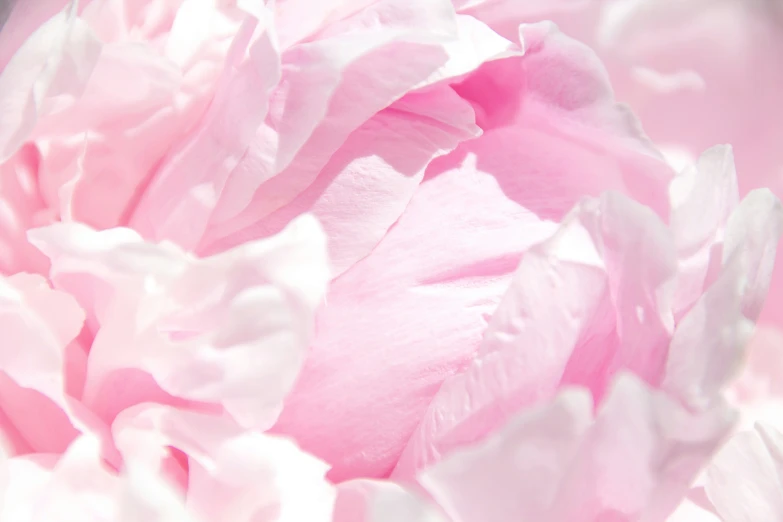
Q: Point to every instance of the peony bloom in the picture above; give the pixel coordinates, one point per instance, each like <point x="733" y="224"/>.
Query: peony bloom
<point x="357" y="260"/>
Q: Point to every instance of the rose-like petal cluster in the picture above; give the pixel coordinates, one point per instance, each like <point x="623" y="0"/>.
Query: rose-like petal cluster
<point x="366" y="260"/>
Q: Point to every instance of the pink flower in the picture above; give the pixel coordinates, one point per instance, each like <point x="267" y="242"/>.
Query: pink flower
<point x="509" y="284"/>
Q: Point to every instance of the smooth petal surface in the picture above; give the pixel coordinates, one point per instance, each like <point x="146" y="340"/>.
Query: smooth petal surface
<point x="231" y="329"/>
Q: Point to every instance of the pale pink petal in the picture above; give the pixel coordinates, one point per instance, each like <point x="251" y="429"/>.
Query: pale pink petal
<point x="231" y="329"/>
<point x="47" y="72"/>
<point x="689" y="511"/>
<point x="37" y="323"/>
<point x="145" y="496"/>
<point x="111" y="139"/>
<point x="21" y="207"/>
<point x="752" y="235"/>
<point x="232" y="475"/>
<point x="77" y="486"/>
<point x="142" y="100"/>
<point x="634" y="461"/>
<point x="745" y="480"/>
<point x="516" y="473"/>
<point x="218" y="23"/>
<point x="262" y="478"/>
<point x="381" y="501"/>
<point x="708" y="344"/>
<point x="592" y="299"/>
<point x="483" y="205"/>
<point x="704" y="196"/>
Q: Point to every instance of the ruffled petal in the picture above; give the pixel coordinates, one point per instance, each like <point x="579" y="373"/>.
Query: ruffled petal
<point x="78" y="487"/>
<point x="231" y="329"/>
<point x="185" y="189"/>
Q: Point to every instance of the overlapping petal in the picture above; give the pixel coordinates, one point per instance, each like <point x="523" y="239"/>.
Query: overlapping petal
<point x="230" y="330"/>
<point x="633" y="461"/>
<point x="232" y="474"/>
<point x="484" y="205"/>
<point x="594" y="298"/>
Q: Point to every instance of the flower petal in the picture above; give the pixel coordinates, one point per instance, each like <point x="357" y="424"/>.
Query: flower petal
<point x="705" y="196"/>
<point x="708" y="344"/>
<point x="46" y="73"/>
<point x="231" y="329"/>
<point x="38" y="324"/>
<point x="233" y="475"/>
<point x="185" y="189"/>
<point x="381" y="501"/>
<point x="744" y="481"/>
<point x="634" y="461"/>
